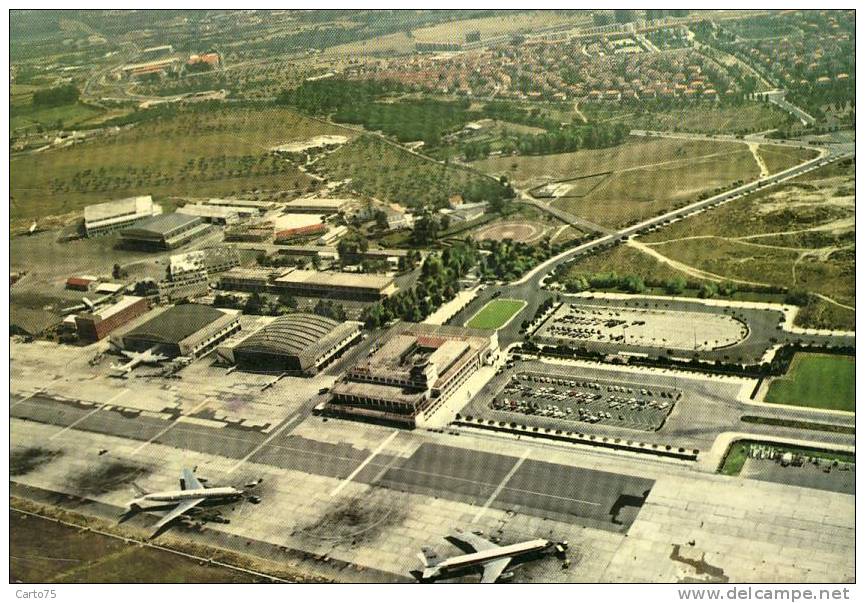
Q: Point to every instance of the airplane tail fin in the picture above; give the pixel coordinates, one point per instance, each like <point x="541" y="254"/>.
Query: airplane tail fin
<point x="428" y="556"/>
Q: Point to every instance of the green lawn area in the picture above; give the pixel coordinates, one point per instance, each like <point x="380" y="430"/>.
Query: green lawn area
<point x="737" y="454"/>
<point x="496" y="313"/>
<point x="67" y="116"/>
<point x="817" y="381"/>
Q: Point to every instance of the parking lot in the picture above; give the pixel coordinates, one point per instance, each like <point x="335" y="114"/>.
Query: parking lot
<point x="586" y="400"/>
<point x="653" y="327"/>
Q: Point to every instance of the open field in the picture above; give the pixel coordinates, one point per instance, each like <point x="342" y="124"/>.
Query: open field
<point x="195" y="152"/>
<point x="67" y="116"/>
<point x="392" y="174"/>
<point x="708" y="118"/>
<point x="521" y="231"/>
<point x="779" y="158"/>
<point x="496" y="314"/>
<point x="49" y="552"/>
<point x="817" y="381"/>
<point x="798" y="235"/>
<point x="648" y="176"/>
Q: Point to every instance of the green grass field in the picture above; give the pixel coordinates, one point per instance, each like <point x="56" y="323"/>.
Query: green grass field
<point x="496" y="313"/>
<point x="817" y="381"/>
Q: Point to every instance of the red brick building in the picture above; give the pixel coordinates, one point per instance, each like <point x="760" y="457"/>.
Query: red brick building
<point x="96" y="325"/>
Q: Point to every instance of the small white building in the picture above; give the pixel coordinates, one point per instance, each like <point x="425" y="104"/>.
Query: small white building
<point x="332" y="235"/>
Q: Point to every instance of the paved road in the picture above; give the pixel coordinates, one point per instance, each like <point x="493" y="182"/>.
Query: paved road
<point x="529" y="287"/>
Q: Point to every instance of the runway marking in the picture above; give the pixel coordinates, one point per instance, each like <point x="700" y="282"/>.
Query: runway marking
<point x="502" y="485"/>
<point x="27" y="397"/>
<point x="173" y="423"/>
<point x="276" y="432"/>
<point x="480" y="483"/>
<point x="366" y="462"/>
<point x="99" y="407"/>
<point x="303" y="451"/>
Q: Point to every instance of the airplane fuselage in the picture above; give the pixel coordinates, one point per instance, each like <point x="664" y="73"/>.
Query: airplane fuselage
<point x="482" y="557"/>
<point x="179" y="496"/>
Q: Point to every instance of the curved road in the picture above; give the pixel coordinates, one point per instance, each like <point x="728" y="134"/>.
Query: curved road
<point x="529" y="287"/>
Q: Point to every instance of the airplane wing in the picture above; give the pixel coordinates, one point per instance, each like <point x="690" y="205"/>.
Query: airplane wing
<point x="494" y="569"/>
<point x="178" y="511"/>
<point x="190" y="482"/>
<point x="474" y="541"/>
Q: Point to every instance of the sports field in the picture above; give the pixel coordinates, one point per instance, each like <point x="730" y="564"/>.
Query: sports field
<point x="817" y="381"/>
<point x="496" y="314"/>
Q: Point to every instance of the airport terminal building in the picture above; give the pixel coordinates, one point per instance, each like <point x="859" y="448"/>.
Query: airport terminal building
<point x="298" y="343"/>
<point x="416" y="369"/>
<point x="184" y="330"/>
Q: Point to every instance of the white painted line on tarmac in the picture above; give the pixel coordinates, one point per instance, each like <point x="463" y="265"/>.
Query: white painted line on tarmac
<point x="27" y="397"/>
<point x="502" y="485"/>
<point x="366" y="462"/>
<point x="99" y="407"/>
<point x="275" y="433"/>
<point x="173" y="423"/>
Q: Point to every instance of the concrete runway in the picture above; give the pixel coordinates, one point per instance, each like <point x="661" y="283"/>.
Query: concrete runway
<point x="597" y="499"/>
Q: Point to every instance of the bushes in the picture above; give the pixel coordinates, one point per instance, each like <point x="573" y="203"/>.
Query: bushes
<point x="56" y="97"/>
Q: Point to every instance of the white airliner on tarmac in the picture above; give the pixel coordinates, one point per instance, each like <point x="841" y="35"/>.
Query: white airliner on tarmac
<point x="492" y="558"/>
<point x="192" y="493"/>
<point x="135" y="359"/>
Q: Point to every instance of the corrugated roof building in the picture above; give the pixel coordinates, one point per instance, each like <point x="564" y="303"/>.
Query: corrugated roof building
<point x="183" y="330"/>
<point x="297" y="343"/>
<point x="167" y="231"/>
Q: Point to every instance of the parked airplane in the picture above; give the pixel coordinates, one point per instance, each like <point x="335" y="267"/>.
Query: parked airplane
<point x="192" y="493"/>
<point x="494" y="559"/>
<point x="136" y="359"/>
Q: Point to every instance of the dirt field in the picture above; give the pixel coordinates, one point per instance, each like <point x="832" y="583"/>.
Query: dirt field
<point x="779" y="158"/>
<point x="648" y="176"/>
<point x="797" y="235"/>
<point x="522" y="232"/>
<point x="709" y="118"/>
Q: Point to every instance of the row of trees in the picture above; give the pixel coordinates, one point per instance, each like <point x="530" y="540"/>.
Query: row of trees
<point x="632" y="283"/>
<point x="570" y="138"/>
